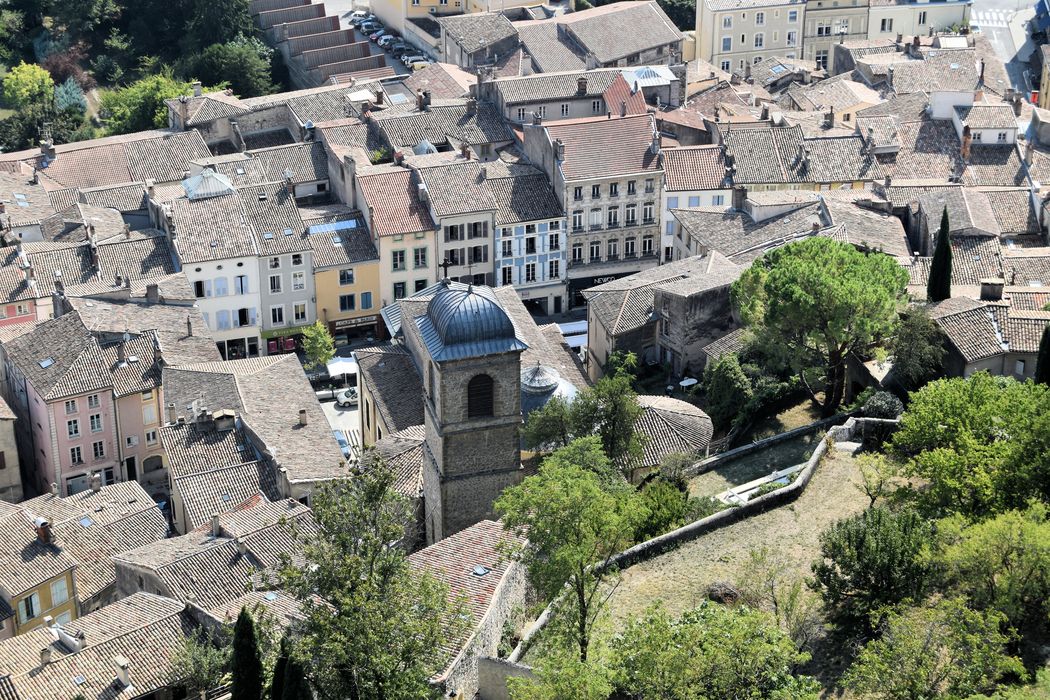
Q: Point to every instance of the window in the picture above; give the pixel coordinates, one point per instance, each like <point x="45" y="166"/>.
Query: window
<point x="420" y="285"/>
<point x="718" y="200"/>
<point x="1019" y="367"/>
<point x="760" y="19"/>
<point x="824" y="28"/>
<point x="530" y="272"/>
<point x="366" y="300"/>
<point x="553" y="241"/>
<point x="542" y="111"/>
<point x="151" y="437"/>
<point x="649" y="185"/>
<point x="554" y="269"/>
<point x="221" y="287"/>
<point x="596" y="218"/>
<point x="727" y="22"/>
<point x="694" y="201"/>
<point x="596" y="191"/>
<point x="299" y="311"/>
<point x="419" y="257"/>
<point x="507" y="249"/>
<point x="647" y="212"/>
<point x="479" y="396"/>
<point x="613" y="246"/>
<point x="577" y="252"/>
<point x="1001" y="138"/>
<point x="977" y="136"/>
<point x="149" y="413"/>
<point x="577" y="193"/>
<point x="565" y="110"/>
<point x="596" y="251"/>
<point x="59" y="592"/>
<point x="760" y="40"/>
<point x="614" y="189"/>
<point x="630" y="187"/>
<point x="75" y="456"/>
<point x="298" y="280"/>
<point x="348" y="302"/>
<point x="245" y="317"/>
<point x="275" y="284"/>
<point x="275" y="263"/>
<point x="240" y="284"/>
<point x="596" y="106"/>
<point x="28" y="608"/>
<point x="725" y="66"/>
<point x="521" y="114"/>
<point x="530" y="245"/>
<point x="630" y="215"/>
<point x="399" y="290"/>
<point x="628" y="248"/>
<point x="507" y="275"/>
<point x="297" y="259"/>
<point x="94" y="401"/>
<point x="73" y="428"/>
<point x="822" y="58"/>
<point x="398" y="260"/>
<point x="756" y="60"/>
<point x="922" y="17"/>
<point x="277" y="315"/>
<point x="577" y="220"/>
<point x="71" y="406"/>
<point x="614" y="216"/>
<point x="96" y="423"/>
<point x="198" y="289"/>
<point x="727" y="44"/>
<point x="98" y="449"/>
<point x="792" y="38"/>
<point x="886" y="25"/>
<point x="647" y="245"/>
<point x="792" y="15"/>
<point x="346" y="277"/>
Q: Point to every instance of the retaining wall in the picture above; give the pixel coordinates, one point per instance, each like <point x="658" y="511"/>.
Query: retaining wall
<point x="257" y="6"/>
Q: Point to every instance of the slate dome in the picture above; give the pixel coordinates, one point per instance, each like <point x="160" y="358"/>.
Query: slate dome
<point x="470" y="315"/>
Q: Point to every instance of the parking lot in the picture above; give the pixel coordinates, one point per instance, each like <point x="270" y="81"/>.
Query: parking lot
<point x="345" y="420"/>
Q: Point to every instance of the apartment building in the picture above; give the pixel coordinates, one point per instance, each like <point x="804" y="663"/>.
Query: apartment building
<point x="694" y="176"/>
<point x="890" y="18"/>
<point x="608" y="175"/>
<point x="829" y="22"/>
<point x="346" y="277"/>
<point x="731" y="34"/>
<point x="36" y="578"/>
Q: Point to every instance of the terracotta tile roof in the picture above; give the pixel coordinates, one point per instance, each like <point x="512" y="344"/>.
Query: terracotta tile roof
<point x="971" y="327"/>
<point x="547" y="86"/>
<point x="283" y="607"/>
<point x="26" y="562"/>
<point x="1013" y="211"/>
<point x="973" y="258"/>
<point x="443" y="122"/>
<point x="603" y="147"/>
<point x="124" y="198"/>
<point x="477" y="30"/>
<point x="403" y="453"/>
<point x="343" y="247"/>
<point x="458" y="188"/>
<point x="736" y="235"/>
<point x="220" y="490"/>
<point x="695" y="168"/>
<point x="353" y="132"/>
<point x="208" y="107"/>
<point x="546" y="346"/>
<point x="390" y="377"/>
<point x="393" y="198"/>
<point x="995" y="166"/>
<point x="274" y="219"/>
<point x="620" y="29"/>
<point x="969" y="211"/>
<point x="307" y="162"/>
<point x="193" y="447"/>
<point x="623" y="99"/>
<point x="60" y="358"/>
<point x="198" y="221"/>
<point x="549" y="49"/>
<point x="320" y="104"/>
<point x="166" y="158"/>
<point x="1028" y="267"/>
<point x="1024" y="329"/>
<point x="524" y="198"/>
<point x="671" y="426"/>
<point x="23" y="202"/>
<point x="987" y="116"/>
<point x="839" y="92"/>
<point x="137" y="368"/>
<point x="1027" y="298"/>
<point x="444" y="80"/>
<point x="734" y="341"/>
<point x="950" y="71"/>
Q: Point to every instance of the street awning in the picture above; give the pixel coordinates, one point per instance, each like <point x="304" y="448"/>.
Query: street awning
<point x="341" y="365"/>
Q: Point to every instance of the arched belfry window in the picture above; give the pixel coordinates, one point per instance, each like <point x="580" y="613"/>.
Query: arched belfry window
<point x="479" y="396"/>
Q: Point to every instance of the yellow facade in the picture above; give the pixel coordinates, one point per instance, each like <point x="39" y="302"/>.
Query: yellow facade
<point x="44" y="603"/>
<point x="1044" y="88"/>
<point x="348" y="296"/>
<point x="406" y="262"/>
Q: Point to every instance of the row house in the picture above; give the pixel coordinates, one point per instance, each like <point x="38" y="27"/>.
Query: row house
<point x="734" y="33"/>
<point x="36" y="578"/>
<point x="608" y="177"/>
<point x="829" y="22"/>
<point x="346" y="276"/>
<point x="694" y="176"/>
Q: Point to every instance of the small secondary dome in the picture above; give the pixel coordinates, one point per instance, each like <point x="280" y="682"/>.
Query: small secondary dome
<point x="539" y="384"/>
<point x="207" y="183"/>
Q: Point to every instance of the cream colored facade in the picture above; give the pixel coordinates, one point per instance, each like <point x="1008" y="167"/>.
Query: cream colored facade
<point x="731" y="35"/>
<point x="401" y="272"/>
<point x="54" y="597"/>
<point x="829" y="22"/>
<point x="888" y="18"/>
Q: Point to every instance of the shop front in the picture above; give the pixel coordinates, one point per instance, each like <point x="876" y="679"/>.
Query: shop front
<point x="238" y="348"/>
<point x="359" y="328"/>
<point x="578" y="285"/>
<point x="282" y="340"/>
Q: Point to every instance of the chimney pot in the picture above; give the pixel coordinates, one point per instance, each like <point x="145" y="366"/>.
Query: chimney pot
<point x="96" y="478"/>
<point x="197" y="88"/>
<point x="242" y="547"/>
<point x="122" y="667"/>
<point x="152" y="293"/>
<point x="216" y="525"/>
<point x="992" y="289"/>
<point x="45" y="656"/>
<point x="171" y="413"/>
<point x="302" y="416"/>
<point x="189" y="325"/>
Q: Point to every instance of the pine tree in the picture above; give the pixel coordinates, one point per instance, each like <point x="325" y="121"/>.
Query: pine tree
<point x="245" y="663"/>
<point x="1042" y="361"/>
<point x="68" y="95"/>
<point x="279" y="670"/>
<point x="939" y="285"/>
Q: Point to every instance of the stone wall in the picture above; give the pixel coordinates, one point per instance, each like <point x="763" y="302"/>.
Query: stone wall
<point x="493" y="674"/>
<point x="695" y="321"/>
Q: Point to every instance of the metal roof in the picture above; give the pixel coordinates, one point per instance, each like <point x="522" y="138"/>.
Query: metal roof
<point x="466" y="321"/>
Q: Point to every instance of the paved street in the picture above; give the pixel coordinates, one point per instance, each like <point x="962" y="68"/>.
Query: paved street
<point x="344" y="419"/>
<point x="1003" y="23"/>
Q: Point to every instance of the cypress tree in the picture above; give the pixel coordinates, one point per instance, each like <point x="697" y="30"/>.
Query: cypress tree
<point x="1042" y="361"/>
<point x="245" y="662"/>
<point x="296" y="687"/>
<point x="939" y="285"/>
<point x="279" y="670"/>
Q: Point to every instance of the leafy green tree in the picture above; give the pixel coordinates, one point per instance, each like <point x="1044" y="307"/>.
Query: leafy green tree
<point x="870" y="561"/>
<point x="280" y="671"/>
<point x="818" y="301"/>
<point x="213" y="22"/>
<point x="977" y="443"/>
<point x="1000" y="564"/>
<point x="27" y="84"/>
<point x="560" y="674"/>
<point x="318" y="345"/>
<point x="712" y="651"/>
<point x="1042" y="360"/>
<point x="68" y="95"/>
<point x="728" y="390"/>
<point x="238" y="64"/>
<point x="373" y="627"/>
<point x="201" y="662"/>
<point x="918" y="352"/>
<point x="573" y="525"/>
<point x="939" y="283"/>
<point x="878" y="475"/>
<point x="943" y="651"/>
<point x="12" y="37"/>
<point x="86" y="19"/>
<point x="24" y="128"/>
<point x="140" y="105"/>
<point x="550" y="426"/>
<point x="665" y="509"/>
<point x="245" y="662"/>
<point x="621" y="362"/>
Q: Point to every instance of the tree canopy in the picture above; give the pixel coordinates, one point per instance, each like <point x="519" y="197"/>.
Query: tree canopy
<point x="918" y="351"/>
<point x="140" y="105"/>
<point x="318" y="345"/>
<point x="245" y="660"/>
<point x="28" y="84"/>
<point x="817" y="302"/>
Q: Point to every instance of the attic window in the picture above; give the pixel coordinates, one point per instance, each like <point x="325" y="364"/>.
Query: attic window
<point x="240" y="171"/>
<point x="133" y="359"/>
<point x="214" y="244"/>
<point x="226" y="497"/>
<point x="80" y="680"/>
<point x="336" y="240"/>
<point x="270" y="596"/>
<point x="480" y="570"/>
<point x="1035" y="283"/>
<point x="46" y="362"/>
<point x="288" y="232"/>
<point x="268" y="236"/>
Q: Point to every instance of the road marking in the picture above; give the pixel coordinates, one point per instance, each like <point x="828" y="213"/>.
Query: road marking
<point x="992" y="18"/>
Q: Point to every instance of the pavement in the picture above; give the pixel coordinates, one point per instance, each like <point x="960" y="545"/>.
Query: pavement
<point x="1004" y="23"/>
<point x="346" y="420"/>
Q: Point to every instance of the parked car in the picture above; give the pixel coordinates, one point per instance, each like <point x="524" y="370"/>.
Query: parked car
<point x="420" y="65"/>
<point x="374" y="36"/>
<point x="344" y="444"/>
<point x="347" y="397"/>
<point x="369" y="27"/>
<point x="386" y="40"/>
<point x="409" y="59"/>
<point x="359" y="16"/>
<point x="399" y="48"/>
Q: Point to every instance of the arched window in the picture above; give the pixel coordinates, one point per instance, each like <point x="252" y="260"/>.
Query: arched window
<point x="479" y="396"/>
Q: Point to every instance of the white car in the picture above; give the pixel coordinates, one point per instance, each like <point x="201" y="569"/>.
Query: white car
<point x="414" y="58"/>
<point x="347" y="397"/>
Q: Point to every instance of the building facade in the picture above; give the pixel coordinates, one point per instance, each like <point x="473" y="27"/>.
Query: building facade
<point x="732" y="34"/>
<point x="888" y="18"/>
<point x="828" y="22"/>
<point x="346" y="279"/>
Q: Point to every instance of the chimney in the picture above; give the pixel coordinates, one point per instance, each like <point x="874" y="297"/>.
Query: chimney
<point x="96" y="478"/>
<point x="992" y="289"/>
<point x="419" y="101"/>
<point x="472" y="106"/>
<point x="122" y="361"/>
<point x="831" y="117"/>
<point x="980" y="76"/>
<point x="581" y="85"/>
<point x="197" y="88"/>
<point x="302" y="416"/>
<point x="121" y="665"/>
<point x="536" y="119"/>
<point x="43" y="530"/>
<point x="559" y="150"/>
<point x="426" y="99"/>
<point x="152" y="293"/>
<point x="242" y="547"/>
<point x="54" y="489"/>
<point x="915" y="45"/>
<point x="623" y="108"/>
<point x="225" y="420"/>
<point x="171" y="413"/>
<point x="816" y="227"/>
<point x="189" y="326"/>
<point x="967" y="142"/>
<point x="216" y="525"/>
<point x="184" y="110"/>
<point x="399" y="158"/>
<point x="900" y="38"/>
<point x="739" y="195"/>
<point x="654" y="147"/>
<point x="1029" y="152"/>
<point x="747" y="70"/>
<point x="45" y="656"/>
<point x="464" y="151"/>
<point x="765" y="112"/>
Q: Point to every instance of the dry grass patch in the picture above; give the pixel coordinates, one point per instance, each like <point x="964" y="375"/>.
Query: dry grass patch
<point x="757" y="464"/>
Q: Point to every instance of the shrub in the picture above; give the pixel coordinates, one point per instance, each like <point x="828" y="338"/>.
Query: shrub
<point x="883" y="404"/>
<point x="728" y="390"/>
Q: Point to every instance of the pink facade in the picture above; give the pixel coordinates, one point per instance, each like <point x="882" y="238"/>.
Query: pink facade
<point x="73" y="442"/>
<point x="138" y="420"/>
<point x="20" y="312"/>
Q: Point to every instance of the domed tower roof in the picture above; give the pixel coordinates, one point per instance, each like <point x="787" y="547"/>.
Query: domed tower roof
<point x="467" y="321"/>
<point x="539" y="384"/>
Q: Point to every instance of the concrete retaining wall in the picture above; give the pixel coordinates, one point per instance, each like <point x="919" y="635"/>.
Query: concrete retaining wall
<point x="323" y="73"/>
<point x="334" y="54"/>
<point x="323" y="40"/>
<point x="493" y="675"/>
<point x="290" y="30"/>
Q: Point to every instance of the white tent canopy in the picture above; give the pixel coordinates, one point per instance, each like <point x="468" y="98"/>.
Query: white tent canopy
<point x="342" y="365"/>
